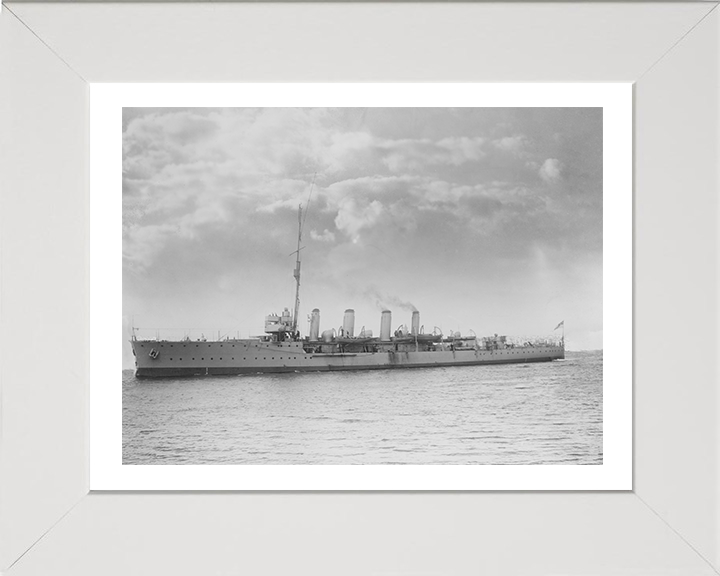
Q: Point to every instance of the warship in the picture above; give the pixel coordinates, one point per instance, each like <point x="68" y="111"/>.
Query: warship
<point x="283" y="349"/>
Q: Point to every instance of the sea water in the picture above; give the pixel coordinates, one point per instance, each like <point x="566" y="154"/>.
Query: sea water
<point x="545" y="413"/>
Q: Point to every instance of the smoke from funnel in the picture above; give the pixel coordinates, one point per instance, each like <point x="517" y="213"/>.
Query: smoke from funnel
<point x="384" y="301"/>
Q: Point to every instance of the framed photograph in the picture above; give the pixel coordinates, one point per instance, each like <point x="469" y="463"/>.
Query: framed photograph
<point x="344" y="211"/>
<point x="493" y="202"/>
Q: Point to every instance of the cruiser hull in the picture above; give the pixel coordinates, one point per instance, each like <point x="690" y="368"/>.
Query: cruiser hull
<point x="179" y="359"/>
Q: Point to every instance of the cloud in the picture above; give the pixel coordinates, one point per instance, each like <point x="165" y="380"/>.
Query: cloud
<point x="511" y="143"/>
<point x="551" y="169"/>
<point x="354" y="216"/>
<point x="181" y="168"/>
<point x="343" y="150"/>
<point x="416" y="154"/>
<point x="222" y="175"/>
<point x="457" y="151"/>
<point x="326" y="236"/>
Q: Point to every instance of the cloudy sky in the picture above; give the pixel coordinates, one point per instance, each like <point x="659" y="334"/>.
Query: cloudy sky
<point x="483" y="218"/>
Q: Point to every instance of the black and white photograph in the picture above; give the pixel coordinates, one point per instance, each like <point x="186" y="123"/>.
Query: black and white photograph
<point x="377" y="286"/>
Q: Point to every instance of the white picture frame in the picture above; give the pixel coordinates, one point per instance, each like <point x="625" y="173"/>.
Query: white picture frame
<point x="668" y="524"/>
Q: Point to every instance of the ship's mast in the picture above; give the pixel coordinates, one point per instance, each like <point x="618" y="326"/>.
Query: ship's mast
<point x="296" y="272"/>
